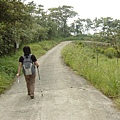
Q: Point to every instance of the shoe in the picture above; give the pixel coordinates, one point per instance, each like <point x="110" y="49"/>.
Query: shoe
<point x="32" y="97"/>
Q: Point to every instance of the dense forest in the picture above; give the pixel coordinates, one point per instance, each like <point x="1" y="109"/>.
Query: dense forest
<point x="25" y="23"/>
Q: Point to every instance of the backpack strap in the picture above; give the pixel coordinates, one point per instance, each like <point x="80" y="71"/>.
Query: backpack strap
<point x="30" y="58"/>
<point x="24" y="57"/>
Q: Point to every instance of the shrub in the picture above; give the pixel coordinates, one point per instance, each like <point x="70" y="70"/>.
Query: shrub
<point x="110" y="52"/>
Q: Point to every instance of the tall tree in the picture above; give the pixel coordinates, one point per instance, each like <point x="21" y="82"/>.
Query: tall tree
<point x="88" y="25"/>
<point x="61" y="15"/>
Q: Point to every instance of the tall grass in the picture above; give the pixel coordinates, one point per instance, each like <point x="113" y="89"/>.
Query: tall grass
<point x="104" y="74"/>
<point x="9" y="64"/>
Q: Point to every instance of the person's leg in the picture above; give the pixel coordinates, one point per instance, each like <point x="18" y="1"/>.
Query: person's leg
<point x="27" y="78"/>
<point x="32" y="85"/>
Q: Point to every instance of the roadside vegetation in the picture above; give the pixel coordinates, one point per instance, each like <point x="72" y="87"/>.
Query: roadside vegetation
<point x="9" y="63"/>
<point x="98" y="64"/>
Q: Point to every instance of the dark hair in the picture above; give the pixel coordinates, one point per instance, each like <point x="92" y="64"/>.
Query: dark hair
<point x="26" y="51"/>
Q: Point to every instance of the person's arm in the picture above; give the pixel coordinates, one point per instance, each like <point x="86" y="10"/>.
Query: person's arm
<point x="35" y="60"/>
<point x="19" y="69"/>
<point x="36" y="63"/>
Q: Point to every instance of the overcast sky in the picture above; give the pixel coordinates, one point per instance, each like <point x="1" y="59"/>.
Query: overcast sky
<point x="87" y="8"/>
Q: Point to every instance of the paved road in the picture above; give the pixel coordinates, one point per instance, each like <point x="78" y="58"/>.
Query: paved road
<point x="66" y="96"/>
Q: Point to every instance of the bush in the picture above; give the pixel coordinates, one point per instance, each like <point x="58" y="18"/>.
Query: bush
<point x="110" y="52"/>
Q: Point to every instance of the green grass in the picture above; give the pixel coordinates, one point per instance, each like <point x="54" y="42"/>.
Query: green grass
<point x="9" y="64"/>
<point x="104" y="74"/>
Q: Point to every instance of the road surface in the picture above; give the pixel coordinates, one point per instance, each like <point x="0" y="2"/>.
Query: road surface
<point x="66" y="96"/>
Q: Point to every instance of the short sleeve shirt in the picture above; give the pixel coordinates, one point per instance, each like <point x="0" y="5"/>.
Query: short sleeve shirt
<point x="32" y="57"/>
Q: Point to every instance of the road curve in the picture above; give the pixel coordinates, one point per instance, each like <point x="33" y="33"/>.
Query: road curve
<point x="66" y="96"/>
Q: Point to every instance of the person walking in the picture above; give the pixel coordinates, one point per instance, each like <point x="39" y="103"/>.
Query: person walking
<point x="30" y="78"/>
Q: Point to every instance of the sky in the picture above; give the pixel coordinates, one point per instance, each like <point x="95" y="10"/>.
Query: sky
<point x="86" y="8"/>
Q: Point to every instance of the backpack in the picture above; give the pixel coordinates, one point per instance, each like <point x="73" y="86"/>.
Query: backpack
<point x="28" y="66"/>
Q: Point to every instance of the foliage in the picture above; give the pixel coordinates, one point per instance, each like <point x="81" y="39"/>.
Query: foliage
<point x="110" y="52"/>
<point x="27" y="23"/>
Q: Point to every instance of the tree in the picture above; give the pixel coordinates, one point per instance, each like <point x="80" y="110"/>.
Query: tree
<point x="14" y="18"/>
<point x="61" y="15"/>
<point x="88" y="25"/>
<point x="77" y="27"/>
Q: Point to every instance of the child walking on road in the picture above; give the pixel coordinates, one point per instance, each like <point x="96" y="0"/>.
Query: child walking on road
<point x="28" y="62"/>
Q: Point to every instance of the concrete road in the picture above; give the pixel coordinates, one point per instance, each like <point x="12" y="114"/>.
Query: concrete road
<point x="66" y="96"/>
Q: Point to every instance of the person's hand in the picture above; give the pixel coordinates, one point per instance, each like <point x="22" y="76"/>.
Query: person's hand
<point x="17" y="75"/>
<point x="37" y="66"/>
